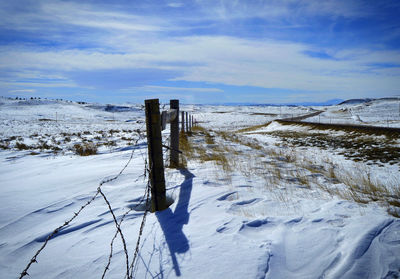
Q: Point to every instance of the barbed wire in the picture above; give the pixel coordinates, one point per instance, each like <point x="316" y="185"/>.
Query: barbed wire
<point x="140" y="230"/>
<point x="120" y="222"/>
<point x="130" y="267"/>
<point x="34" y="258"/>
<point x="66" y="223"/>
<point x="118" y="230"/>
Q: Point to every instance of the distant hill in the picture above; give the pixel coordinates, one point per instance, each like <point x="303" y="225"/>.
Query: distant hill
<point x="366" y="100"/>
<point x="326" y="103"/>
<point x="356" y="101"/>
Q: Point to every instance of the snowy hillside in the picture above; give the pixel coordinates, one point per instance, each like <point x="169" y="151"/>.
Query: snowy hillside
<point x="257" y="199"/>
<point x="379" y="112"/>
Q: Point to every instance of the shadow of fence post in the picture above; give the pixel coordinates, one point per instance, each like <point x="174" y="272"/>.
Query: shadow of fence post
<point x="172" y="222"/>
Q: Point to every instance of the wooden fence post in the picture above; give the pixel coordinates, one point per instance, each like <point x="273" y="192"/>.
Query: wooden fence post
<point x="187" y="122"/>
<point x="183" y="122"/>
<point x="156" y="163"/>
<point x="174" y="147"/>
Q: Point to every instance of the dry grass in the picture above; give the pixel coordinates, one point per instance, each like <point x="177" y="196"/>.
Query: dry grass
<point x="64" y="141"/>
<point x="357" y="186"/>
<point x="354" y="146"/>
<point x="85" y="149"/>
<point x="22" y="146"/>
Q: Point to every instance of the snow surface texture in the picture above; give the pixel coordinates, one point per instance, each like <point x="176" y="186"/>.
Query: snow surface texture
<point x="219" y="226"/>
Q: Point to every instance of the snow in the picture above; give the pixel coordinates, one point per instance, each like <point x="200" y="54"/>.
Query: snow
<point x="380" y="112"/>
<point x="256" y="221"/>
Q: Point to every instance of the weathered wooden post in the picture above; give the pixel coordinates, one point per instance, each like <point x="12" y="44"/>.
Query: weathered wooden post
<point x="174" y="154"/>
<point x="156" y="163"/>
<point x="183" y="122"/>
<point x="187" y="122"/>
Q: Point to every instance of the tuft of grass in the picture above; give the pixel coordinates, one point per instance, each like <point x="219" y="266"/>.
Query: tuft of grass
<point x="85" y="149"/>
<point x="4" y="145"/>
<point x="43" y="145"/>
<point x="209" y="139"/>
<point x="110" y="143"/>
<point x="22" y="146"/>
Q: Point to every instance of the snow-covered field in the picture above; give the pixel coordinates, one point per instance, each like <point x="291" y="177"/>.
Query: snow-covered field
<point x="252" y="203"/>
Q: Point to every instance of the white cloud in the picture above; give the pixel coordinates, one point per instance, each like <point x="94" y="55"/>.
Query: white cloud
<point x="175" y="5"/>
<point x="55" y="14"/>
<point x="22" y="91"/>
<point x="284" y="11"/>
<point x="228" y="60"/>
<point x="36" y="84"/>
<point x="153" y="88"/>
<point x="128" y="41"/>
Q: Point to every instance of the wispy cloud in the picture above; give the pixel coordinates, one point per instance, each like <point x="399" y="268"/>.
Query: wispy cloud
<point x="292" y="45"/>
<point x="154" y="88"/>
<point x="222" y="60"/>
<point x="60" y="13"/>
<point x="36" y="84"/>
<point x="22" y="91"/>
<point x="175" y="4"/>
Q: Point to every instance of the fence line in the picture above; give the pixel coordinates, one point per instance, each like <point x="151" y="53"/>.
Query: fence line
<point x="149" y="173"/>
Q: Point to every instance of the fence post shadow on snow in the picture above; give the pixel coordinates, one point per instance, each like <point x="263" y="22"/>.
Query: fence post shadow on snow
<point x="172" y="222"/>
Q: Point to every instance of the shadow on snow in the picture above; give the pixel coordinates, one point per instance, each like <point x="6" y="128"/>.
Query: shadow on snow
<point x="172" y="222"/>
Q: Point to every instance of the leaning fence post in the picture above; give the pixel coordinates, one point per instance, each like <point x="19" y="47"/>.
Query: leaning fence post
<point x="156" y="163"/>
<point x="174" y="154"/>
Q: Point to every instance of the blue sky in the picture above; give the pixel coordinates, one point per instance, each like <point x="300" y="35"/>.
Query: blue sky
<point x="201" y="51"/>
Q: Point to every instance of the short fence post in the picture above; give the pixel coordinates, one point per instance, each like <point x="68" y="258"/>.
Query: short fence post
<point x="183" y="122"/>
<point x="156" y="163"/>
<point x="174" y="154"/>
